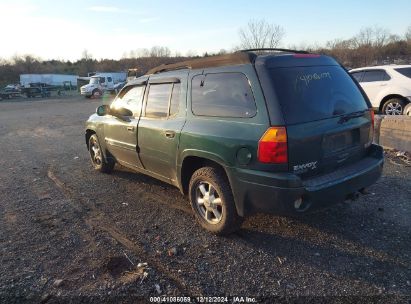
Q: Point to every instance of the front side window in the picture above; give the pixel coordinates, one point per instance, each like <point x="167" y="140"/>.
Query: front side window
<point x="109" y="79"/>
<point x="404" y="71"/>
<point x="223" y="95"/>
<point x="94" y="80"/>
<point x="158" y="100"/>
<point x="130" y="98"/>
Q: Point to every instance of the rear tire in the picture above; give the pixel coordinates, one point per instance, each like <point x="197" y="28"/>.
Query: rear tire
<point x="393" y="106"/>
<point x="407" y="109"/>
<point x="212" y="201"/>
<point x="97" y="158"/>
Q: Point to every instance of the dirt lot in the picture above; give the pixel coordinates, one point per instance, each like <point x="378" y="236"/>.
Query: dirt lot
<point x="69" y="233"/>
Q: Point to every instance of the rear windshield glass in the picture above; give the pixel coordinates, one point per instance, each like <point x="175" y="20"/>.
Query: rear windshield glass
<point x="315" y="92"/>
<point x="405" y="71"/>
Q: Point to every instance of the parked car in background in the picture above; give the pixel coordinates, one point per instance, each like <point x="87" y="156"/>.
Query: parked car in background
<point x="387" y="87"/>
<point x="10" y="91"/>
<point x="255" y="131"/>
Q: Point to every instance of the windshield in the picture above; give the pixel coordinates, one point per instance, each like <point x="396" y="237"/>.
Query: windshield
<point x="315" y="92"/>
<point x="94" y="80"/>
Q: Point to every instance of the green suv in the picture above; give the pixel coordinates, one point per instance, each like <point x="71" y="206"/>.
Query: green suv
<point x="272" y="131"/>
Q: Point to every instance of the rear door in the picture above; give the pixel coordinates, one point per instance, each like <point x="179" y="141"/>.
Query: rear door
<point x="373" y="82"/>
<point x="160" y="125"/>
<point x="327" y="117"/>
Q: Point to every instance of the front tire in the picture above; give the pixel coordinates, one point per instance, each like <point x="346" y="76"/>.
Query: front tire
<point x="212" y="201"/>
<point x="393" y="106"/>
<point x="97" y="93"/>
<point x="97" y="158"/>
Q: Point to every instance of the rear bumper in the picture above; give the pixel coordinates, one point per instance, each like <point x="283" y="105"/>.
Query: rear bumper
<point x="257" y="191"/>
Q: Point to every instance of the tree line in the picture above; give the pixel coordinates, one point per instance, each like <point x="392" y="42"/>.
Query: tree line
<point x="370" y="46"/>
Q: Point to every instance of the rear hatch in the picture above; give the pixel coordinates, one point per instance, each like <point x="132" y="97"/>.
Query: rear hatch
<point x="326" y="115"/>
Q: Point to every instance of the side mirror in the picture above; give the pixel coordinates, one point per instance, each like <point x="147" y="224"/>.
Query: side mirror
<point x="103" y="110"/>
<point x="124" y="112"/>
<point x="121" y="113"/>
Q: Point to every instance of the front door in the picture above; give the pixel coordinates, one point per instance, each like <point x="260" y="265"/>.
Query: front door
<point x="160" y="126"/>
<point x="121" y="135"/>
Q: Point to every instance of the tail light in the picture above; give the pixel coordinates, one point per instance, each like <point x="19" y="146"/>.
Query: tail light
<point x="372" y="128"/>
<point x="272" y="147"/>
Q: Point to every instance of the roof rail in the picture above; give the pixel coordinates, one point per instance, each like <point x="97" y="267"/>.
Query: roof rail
<point x="274" y="49"/>
<point x="239" y="57"/>
<point x="171" y="67"/>
<point x="206" y="62"/>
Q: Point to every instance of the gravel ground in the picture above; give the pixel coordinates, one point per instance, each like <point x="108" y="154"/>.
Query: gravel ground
<point x="69" y="233"/>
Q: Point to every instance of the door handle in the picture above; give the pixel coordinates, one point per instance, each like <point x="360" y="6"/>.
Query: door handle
<point x="169" y="134"/>
<point x="131" y="129"/>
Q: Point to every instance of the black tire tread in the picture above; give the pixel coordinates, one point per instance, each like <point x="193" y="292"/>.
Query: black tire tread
<point x="106" y="166"/>
<point x="231" y="221"/>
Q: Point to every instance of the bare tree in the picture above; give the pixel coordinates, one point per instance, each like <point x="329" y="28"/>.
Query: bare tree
<point x="408" y="33"/>
<point x="261" y="34"/>
<point x="222" y="52"/>
<point x="160" y="51"/>
<point x="143" y="52"/>
<point x="381" y="36"/>
<point x="372" y="37"/>
<point x="86" y="55"/>
<point x="191" y="53"/>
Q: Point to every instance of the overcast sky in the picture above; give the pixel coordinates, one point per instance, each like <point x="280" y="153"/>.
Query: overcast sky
<point x="108" y="29"/>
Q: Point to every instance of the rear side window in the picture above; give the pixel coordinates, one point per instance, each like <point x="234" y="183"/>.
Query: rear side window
<point x="223" y="95"/>
<point x="404" y="71"/>
<point x="375" y="75"/>
<point x="315" y="93"/>
<point x="158" y="99"/>
<point x="357" y="75"/>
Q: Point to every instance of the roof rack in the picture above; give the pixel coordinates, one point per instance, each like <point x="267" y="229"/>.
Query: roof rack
<point x="207" y="62"/>
<point x="239" y="57"/>
<point x="274" y="49"/>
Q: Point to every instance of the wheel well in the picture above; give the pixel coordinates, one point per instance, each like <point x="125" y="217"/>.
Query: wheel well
<point x="388" y="97"/>
<point x="193" y="163"/>
<point x="88" y="135"/>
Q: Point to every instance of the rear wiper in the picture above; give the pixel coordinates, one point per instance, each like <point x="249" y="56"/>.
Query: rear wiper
<point x="347" y="117"/>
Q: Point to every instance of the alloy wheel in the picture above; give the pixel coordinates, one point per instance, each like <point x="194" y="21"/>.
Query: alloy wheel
<point x="208" y="203"/>
<point x="393" y="108"/>
<point x="95" y="152"/>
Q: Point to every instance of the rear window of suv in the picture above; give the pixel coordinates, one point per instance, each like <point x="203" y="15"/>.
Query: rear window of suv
<point x="315" y="92"/>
